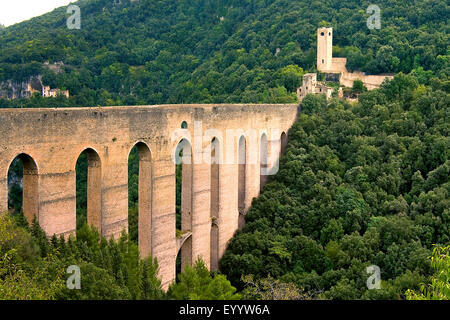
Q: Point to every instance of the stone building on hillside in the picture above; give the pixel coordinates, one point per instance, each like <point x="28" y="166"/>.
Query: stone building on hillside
<point x="335" y="70"/>
<point x="47" y="92"/>
<point x="337" y="66"/>
<point x="311" y="85"/>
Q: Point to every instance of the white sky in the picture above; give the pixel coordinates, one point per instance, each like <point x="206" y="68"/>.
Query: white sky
<point x="14" y="11"/>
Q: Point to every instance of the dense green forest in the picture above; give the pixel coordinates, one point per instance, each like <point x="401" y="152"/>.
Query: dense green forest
<point x="154" y="52"/>
<point x="33" y="267"/>
<point x="359" y="185"/>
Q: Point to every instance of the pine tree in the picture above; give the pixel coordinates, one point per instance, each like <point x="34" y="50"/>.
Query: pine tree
<point x="54" y="242"/>
<point x="40" y="237"/>
<point x="151" y="285"/>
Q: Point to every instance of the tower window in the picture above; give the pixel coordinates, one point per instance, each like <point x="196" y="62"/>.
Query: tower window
<point x="329" y="33"/>
<point x="323" y="61"/>
<point x="322" y="34"/>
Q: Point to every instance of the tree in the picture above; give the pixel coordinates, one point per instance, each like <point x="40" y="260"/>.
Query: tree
<point x="358" y="86"/>
<point x="31" y="267"/>
<point x="96" y="284"/>
<point x="271" y="289"/>
<point x="314" y="103"/>
<point x="196" y="283"/>
<point x="291" y="77"/>
<point x="386" y="61"/>
<point x="439" y="288"/>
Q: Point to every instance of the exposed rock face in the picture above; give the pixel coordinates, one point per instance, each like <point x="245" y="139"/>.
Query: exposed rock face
<point x="17" y="90"/>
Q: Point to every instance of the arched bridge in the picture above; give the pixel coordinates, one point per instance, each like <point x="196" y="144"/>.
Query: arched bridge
<point x="227" y="153"/>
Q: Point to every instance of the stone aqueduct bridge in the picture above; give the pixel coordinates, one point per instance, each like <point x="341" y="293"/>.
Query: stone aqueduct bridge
<point x="215" y="194"/>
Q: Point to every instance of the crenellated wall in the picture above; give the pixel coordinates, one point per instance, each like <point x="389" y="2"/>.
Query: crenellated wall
<point x="49" y="142"/>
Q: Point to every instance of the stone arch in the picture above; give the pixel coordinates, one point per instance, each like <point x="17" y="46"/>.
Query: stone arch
<point x="144" y="201"/>
<point x="182" y="143"/>
<point x="29" y="183"/>
<point x="215" y="218"/>
<point x="242" y="160"/>
<point x="184" y="175"/>
<point x="93" y="188"/>
<point x="263" y="161"/>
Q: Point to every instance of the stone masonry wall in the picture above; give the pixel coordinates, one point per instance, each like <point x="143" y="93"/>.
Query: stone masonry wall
<point x="54" y="139"/>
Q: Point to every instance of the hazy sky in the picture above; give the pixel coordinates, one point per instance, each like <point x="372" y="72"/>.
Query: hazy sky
<point x="13" y="11"/>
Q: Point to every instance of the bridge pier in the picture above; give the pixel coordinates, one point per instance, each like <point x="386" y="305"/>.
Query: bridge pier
<point x="164" y="244"/>
<point x="145" y="193"/>
<point x="114" y="191"/>
<point x="186" y="215"/>
<point x="4" y="194"/>
<point x="4" y="163"/>
<point x="57" y="202"/>
<point x="228" y="205"/>
<point x="201" y="217"/>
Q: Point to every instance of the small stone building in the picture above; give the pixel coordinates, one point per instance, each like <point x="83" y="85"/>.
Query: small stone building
<point x="47" y="92"/>
<point x="310" y="85"/>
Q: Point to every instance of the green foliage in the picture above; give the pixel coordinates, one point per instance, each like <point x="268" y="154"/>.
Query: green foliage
<point x="15" y="175"/>
<point x="358" y="186"/>
<point x="96" y="284"/>
<point x="358" y="86"/>
<point x="439" y="288"/>
<point x="314" y="103"/>
<point x="23" y="274"/>
<point x="291" y="77"/>
<point x="34" y="267"/>
<point x="271" y="289"/>
<point x="155" y="52"/>
<point x="196" y="283"/>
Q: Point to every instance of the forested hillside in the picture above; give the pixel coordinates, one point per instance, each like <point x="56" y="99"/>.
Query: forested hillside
<point x="360" y="185"/>
<point x="167" y="51"/>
